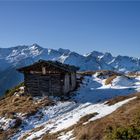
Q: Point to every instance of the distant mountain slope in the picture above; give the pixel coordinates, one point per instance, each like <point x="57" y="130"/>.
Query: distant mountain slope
<point x="11" y="58"/>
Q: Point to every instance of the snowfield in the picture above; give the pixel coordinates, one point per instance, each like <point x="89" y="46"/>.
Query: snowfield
<point x="90" y="98"/>
<point x="6" y="123"/>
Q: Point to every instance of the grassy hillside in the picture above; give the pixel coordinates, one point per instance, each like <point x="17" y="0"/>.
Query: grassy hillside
<point x="15" y="102"/>
<point x="123" y="124"/>
<point x="115" y="111"/>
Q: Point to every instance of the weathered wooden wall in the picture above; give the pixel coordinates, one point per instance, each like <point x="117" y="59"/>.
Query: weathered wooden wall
<point x="41" y="85"/>
<point x="73" y="81"/>
<point x="69" y="82"/>
<point x="45" y="81"/>
<point x="66" y="87"/>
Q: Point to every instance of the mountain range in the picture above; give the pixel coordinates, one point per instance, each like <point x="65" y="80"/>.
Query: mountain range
<point x="15" y="57"/>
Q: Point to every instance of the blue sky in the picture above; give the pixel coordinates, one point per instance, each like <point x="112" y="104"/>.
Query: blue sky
<point x="81" y="26"/>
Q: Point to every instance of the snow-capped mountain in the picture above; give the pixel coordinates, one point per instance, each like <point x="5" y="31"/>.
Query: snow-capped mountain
<point x="11" y="58"/>
<point x="92" y="61"/>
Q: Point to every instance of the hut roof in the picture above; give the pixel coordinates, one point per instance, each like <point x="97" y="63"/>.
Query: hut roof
<point x="56" y="64"/>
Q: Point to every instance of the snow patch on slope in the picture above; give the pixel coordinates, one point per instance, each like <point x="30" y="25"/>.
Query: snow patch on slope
<point x="90" y="98"/>
<point x="6" y="123"/>
<point x="123" y="81"/>
<point x="105" y="109"/>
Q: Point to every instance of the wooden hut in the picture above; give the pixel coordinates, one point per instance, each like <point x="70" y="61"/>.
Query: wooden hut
<point x="49" y="78"/>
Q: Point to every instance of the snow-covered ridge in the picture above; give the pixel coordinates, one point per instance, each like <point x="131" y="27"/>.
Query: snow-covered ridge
<point x="91" y="61"/>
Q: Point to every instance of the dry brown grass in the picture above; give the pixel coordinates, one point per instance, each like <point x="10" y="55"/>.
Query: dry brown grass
<point x="34" y="130"/>
<point x="118" y="99"/>
<point x="54" y="136"/>
<point x="86" y="118"/>
<point x="24" y="104"/>
<point x="3" y="136"/>
<point x="103" y="72"/>
<point x="110" y="79"/>
<point x="86" y="73"/>
<point x="10" y="105"/>
<point x="133" y="74"/>
<point x="96" y="130"/>
<point x="50" y="136"/>
<point x="123" y="116"/>
<point x="108" y="73"/>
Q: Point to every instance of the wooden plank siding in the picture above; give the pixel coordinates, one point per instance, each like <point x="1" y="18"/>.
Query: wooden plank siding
<point x="73" y="81"/>
<point x="44" y="85"/>
<point x="45" y="78"/>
